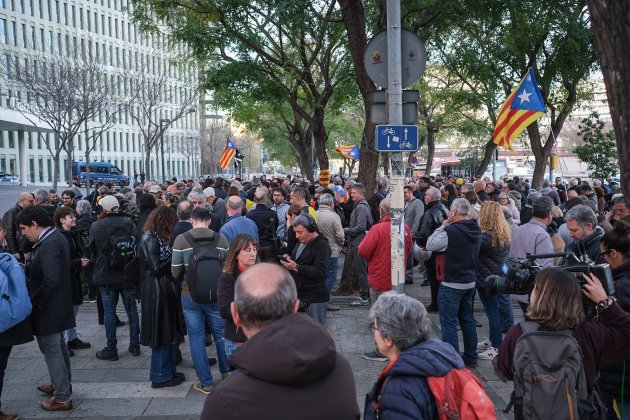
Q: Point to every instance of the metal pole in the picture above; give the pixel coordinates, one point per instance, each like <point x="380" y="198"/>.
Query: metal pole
<point x="394" y="100"/>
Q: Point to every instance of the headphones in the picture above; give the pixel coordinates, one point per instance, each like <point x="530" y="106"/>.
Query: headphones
<point x="312" y="225"/>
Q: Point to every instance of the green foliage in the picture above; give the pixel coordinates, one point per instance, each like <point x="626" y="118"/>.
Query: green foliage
<point x="599" y="150"/>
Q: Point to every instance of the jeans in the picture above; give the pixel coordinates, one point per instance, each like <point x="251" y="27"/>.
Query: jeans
<point x="332" y="273"/>
<point x="5" y="352"/>
<point x="457" y="305"/>
<point x="317" y="311"/>
<point x="360" y="266"/>
<point x="110" y="300"/>
<point x="491" y="308"/>
<point x="71" y="334"/>
<point x="505" y="312"/>
<point x="162" y="363"/>
<point x="230" y="347"/>
<point x="57" y="357"/>
<point x="624" y="410"/>
<point x="196" y="316"/>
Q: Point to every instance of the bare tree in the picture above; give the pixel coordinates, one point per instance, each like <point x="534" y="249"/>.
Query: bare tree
<point x="212" y="142"/>
<point x="155" y="106"/>
<point x="61" y="89"/>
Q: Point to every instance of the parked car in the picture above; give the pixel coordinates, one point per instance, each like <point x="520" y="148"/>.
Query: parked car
<point x="99" y="171"/>
<point x="6" y="178"/>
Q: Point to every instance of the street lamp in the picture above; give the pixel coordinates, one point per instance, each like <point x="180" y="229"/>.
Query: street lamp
<point x="163" y="121"/>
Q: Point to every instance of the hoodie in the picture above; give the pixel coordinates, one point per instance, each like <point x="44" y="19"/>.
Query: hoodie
<point x="402" y="391"/>
<point x="289" y="369"/>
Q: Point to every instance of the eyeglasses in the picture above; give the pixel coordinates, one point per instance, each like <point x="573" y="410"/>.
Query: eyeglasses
<point x="373" y="327"/>
<point x="606" y="252"/>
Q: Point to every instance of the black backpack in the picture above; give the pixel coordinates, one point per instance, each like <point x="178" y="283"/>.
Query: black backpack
<point x="120" y="249"/>
<point x="205" y="266"/>
<point x="549" y="379"/>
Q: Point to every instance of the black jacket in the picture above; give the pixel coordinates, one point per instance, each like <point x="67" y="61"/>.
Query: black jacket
<point x="49" y="278"/>
<point x="462" y="252"/>
<point x="75" y="265"/>
<point x="588" y="246"/>
<point x="161" y="318"/>
<point x="290" y="369"/>
<point x="432" y="219"/>
<point x="267" y="222"/>
<point x="490" y="258"/>
<point x="182" y="226"/>
<point x="100" y="232"/>
<point x="312" y="270"/>
<point x="611" y="376"/>
<point x="84" y="222"/>
<point x="225" y="297"/>
<point x="13" y="236"/>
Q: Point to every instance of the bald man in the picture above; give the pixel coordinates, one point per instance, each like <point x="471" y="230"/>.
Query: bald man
<point x="15" y="242"/>
<point x="289" y="364"/>
<point x="235" y="223"/>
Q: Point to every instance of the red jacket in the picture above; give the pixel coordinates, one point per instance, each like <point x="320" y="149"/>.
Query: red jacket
<point x="376" y="249"/>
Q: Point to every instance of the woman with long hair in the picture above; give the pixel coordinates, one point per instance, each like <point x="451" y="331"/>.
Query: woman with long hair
<point x="160" y="305"/>
<point x="496" y="236"/>
<point x="241" y="256"/>
<point x="451" y="194"/>
<point x="556" y="304"/>
<point x="505" y="201"/>
<point x="475" y="204"/>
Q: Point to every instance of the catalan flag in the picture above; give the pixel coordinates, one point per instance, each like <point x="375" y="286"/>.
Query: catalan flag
<point x="349" y="152"/>
<point x="524" y="106"/>
<point x="228" y="153"/>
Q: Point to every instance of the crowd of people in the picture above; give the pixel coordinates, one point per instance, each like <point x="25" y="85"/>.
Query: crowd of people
<point x="232" y="262"/>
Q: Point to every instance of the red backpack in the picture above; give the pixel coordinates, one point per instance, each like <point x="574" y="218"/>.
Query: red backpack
<point x="460" y="395"/>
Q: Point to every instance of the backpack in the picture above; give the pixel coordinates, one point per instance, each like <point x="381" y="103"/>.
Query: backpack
<point x="344" y="222"/>
<point x="205" y="266"/>
<point x="15" y="303"/>
<point x="549" y="380"/>
<point x="120" y="249"/>
<point x="460" y="395"/>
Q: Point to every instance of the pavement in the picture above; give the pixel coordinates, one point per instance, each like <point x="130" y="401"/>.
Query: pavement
<point x="121" y="389"/>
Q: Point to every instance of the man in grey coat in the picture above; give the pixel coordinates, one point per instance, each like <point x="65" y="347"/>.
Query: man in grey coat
<point x="360" y="222"/>
<point x="414" y="210"/>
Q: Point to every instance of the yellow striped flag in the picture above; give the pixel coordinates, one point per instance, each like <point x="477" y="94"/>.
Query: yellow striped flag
<point x="229" y="151"/>
<point x="524" y="106"/>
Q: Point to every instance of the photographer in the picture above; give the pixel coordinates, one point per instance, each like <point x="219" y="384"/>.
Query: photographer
<point x="615" y="249"/>
<point x="556" y="305"/>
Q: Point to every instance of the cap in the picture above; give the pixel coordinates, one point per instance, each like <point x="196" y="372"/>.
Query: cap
<point x="209" y="192"/>
<point x="155" y="189"/>
<point x="237" y="185"/>
<point x="109" y="203"/>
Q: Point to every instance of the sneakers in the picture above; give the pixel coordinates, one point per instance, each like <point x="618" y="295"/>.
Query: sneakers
<point x="483" y="345"/>
<point x="175" y="381"/>
<point x="360" y="302"/>
<point x="375" y="356"/>
<point x="78" y="344"/>
<point x="203" y="389"/>
<point x="107" y="354"/>
<point x="489" y="354"/>
<point x="134" y="350"/>
<point x="120" y="323"/>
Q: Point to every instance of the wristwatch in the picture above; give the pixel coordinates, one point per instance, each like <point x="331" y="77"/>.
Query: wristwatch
<point x="605" y="304"/>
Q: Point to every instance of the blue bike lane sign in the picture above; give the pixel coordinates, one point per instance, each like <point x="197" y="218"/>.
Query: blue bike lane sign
<point x="396" y="138"/>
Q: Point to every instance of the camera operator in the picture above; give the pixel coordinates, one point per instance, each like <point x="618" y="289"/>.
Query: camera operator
<point x="532" y="238"/>
<point x="556" y="305"/>
<point x="615" y="249"/>
<point x="581" y="223"/>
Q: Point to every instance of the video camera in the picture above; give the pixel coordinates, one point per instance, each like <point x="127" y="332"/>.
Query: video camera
<point x="519" y="275"/>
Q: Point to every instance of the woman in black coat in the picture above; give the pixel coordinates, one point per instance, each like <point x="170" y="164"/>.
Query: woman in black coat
<point x="614" y="380"/>
<point x="66" y="220"/>
<point x="160" y="305"/>
<point x="241" y="256"/>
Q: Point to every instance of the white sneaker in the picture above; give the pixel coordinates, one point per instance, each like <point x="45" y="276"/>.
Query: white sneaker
<point x="489" y="354"/>
<point x="483" y="345"/>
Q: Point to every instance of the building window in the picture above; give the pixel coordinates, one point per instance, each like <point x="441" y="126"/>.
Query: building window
<point x="41" y="169"/>
<point x="11" y="139"/>
<point x="3" y="30"/>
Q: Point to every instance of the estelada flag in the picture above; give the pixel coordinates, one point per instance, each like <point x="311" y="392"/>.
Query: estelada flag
<point x="228" y="153"/>
<point x="349" y="152"/>
<point x="524" y="106"/>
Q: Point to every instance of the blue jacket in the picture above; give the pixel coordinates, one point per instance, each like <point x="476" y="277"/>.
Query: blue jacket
<point x="238" y="224"/>
<point x="402" y="391"/>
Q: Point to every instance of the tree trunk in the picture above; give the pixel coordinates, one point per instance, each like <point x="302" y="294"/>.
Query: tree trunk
<point x="353" y="16"/>
<point x="55" y="170"/>
<point x="147" y="164"/>
<point x="349" y="283"/>
<point x="321" y="136"/>
<point x="385" y="164"/>
<point x="430" y="152"/>
<point x="609" y="20"/>
<point x="541" y="153"/>
<point x="487" y="157"/>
